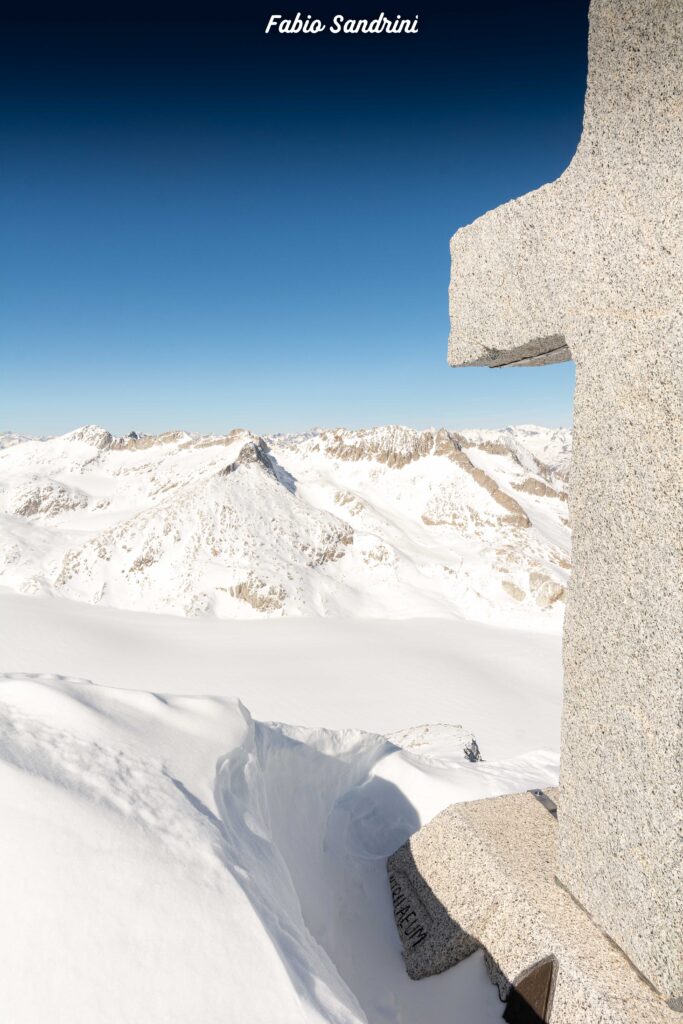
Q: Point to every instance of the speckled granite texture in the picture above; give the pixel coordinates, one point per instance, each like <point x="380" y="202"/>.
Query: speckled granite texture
<point x="590" y="267"/>
<point x="482" y="874"/>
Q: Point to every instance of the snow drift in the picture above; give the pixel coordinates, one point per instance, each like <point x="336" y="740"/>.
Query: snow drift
<point x="171" y="859"/>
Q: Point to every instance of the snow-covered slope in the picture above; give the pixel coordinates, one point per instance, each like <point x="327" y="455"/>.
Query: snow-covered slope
<point x="7" y="439"/>
<point x="168" y="859"/>
<point x="382" y="676"/>
<point x="389" y="522"/>
<point x="172" y="858"/>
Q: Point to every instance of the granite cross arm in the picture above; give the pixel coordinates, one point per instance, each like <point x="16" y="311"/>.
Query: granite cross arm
<point x="590" y="268"/>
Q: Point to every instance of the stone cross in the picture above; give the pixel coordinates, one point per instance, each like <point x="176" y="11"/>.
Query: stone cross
<point x="590" y="268"/>
<point x="580" y="911"/>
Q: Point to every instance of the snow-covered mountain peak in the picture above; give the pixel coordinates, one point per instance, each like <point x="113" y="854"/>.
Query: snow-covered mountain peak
<point x="388" y="521"/>
<point x="96" y="437"/>
<point x="252" y="453"/>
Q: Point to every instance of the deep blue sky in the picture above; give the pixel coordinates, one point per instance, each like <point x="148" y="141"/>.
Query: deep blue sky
<point x="204" y="226"/>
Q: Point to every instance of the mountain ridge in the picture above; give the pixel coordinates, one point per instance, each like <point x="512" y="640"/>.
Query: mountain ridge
<point x="387" y="521"/>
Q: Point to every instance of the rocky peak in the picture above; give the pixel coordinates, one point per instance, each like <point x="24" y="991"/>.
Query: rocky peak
<point x="392" y="446"/>
<point x="93" y="435"/>
<point x="135" y="441"/>
<point x="253" y="453"/>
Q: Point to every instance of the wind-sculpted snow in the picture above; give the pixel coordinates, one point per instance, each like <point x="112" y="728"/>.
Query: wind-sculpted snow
<point x="168" y="859"/>
<point x="389" y="522"/>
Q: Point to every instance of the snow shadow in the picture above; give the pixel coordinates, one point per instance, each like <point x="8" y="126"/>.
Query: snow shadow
<point x="282" y="475"/>
<point x="198" y="804"/>
<point x="307" y="829"/>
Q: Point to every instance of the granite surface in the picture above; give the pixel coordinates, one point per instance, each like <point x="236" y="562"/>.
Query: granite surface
<point x="590" y="267"/>
<point x="482" y="875"/>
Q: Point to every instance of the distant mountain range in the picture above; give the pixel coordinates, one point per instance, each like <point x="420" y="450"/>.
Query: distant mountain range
<point x="384" y="522"/>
